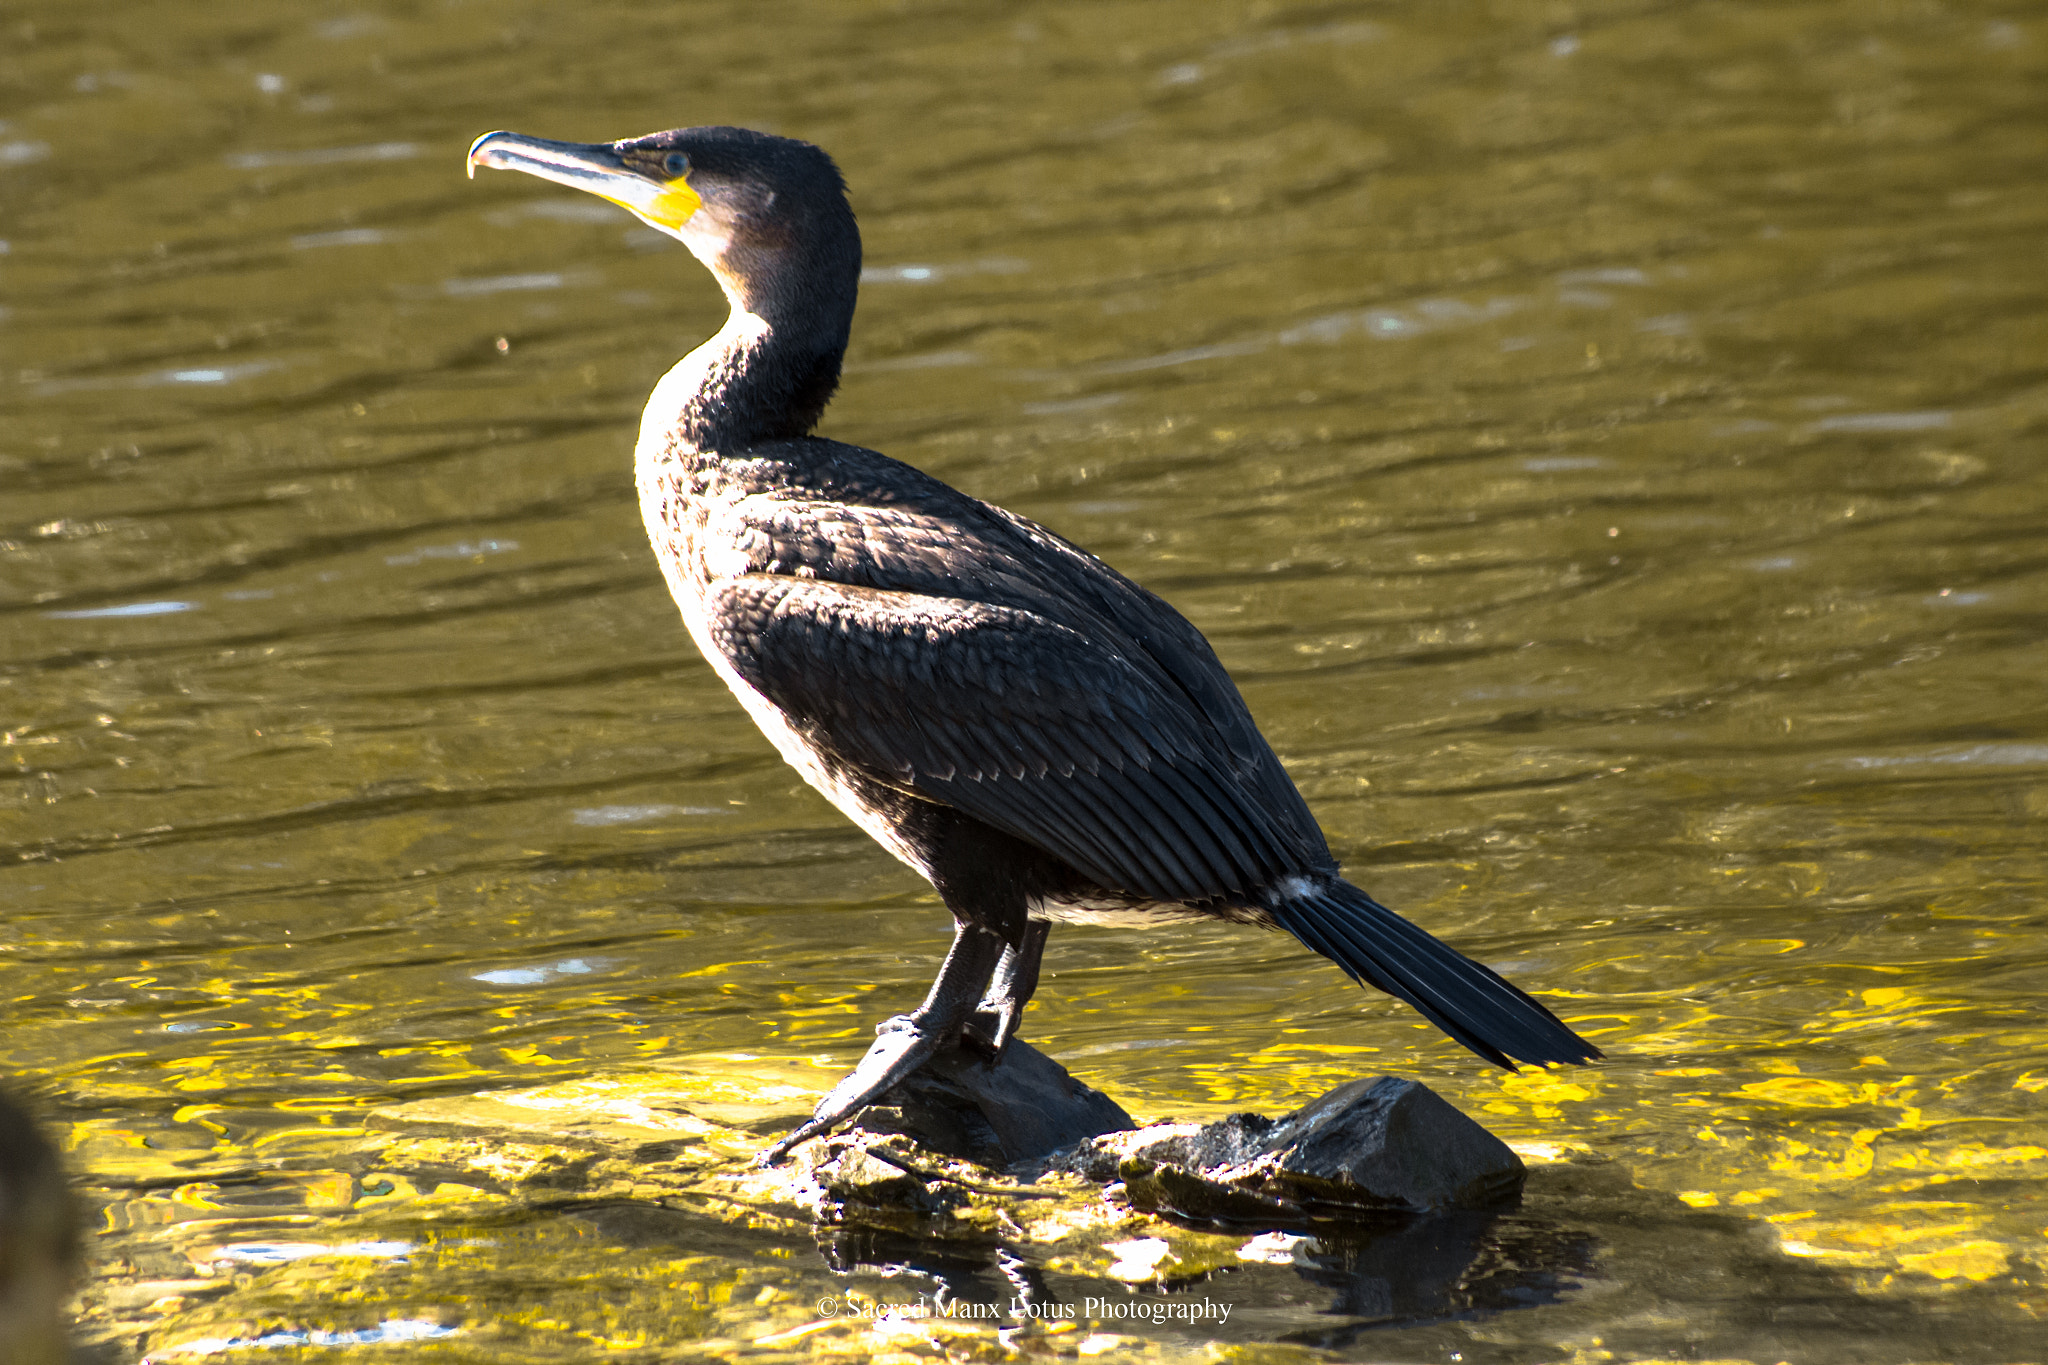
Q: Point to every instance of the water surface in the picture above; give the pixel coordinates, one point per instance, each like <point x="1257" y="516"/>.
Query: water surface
<point x="1602" y="440"/>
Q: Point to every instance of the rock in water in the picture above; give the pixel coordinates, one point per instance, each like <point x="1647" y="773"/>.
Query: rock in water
<point x="1022" y="1109"/>
<point x="1371" y="1148"/>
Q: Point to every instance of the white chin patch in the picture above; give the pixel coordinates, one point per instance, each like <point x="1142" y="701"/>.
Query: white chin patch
<point x="707" y="234"/>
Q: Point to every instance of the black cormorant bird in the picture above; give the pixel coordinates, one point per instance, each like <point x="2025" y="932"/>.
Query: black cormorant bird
<point x="1040" y="737"/>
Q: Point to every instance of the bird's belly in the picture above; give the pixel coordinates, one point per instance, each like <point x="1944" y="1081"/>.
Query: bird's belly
<point x="676" y="527"/>
<point x="801" y="755"/>
<point x="1111" y="912"/>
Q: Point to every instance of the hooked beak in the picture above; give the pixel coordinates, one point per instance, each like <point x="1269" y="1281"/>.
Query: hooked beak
<point x="597" y="168"/>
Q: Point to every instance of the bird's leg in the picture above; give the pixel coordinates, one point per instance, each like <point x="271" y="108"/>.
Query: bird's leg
<point x="904" y="1042"/>
<point x="1002" y="1009"/>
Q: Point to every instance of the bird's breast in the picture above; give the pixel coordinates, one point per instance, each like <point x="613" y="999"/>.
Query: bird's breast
<point x="707" y="529"/>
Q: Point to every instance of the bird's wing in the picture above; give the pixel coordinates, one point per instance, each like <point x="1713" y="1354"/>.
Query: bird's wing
<point x="1031" y="726"/>
<point x="1186" y="665"/>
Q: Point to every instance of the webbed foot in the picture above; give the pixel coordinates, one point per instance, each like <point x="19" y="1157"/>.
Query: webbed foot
<point x="901" y="1046"/>
<point x="903" y="1043"/>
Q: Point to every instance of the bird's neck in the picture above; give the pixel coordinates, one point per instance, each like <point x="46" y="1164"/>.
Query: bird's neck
<point x="765" y="376"/>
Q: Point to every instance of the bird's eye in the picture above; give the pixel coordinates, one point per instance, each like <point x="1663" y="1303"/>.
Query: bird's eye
<point x="675" y="163"/>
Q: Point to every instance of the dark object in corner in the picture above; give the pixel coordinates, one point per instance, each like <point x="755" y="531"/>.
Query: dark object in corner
<point x="1021" y="1109"/>
<point x="1368" y="1149"/>
<point x="38" y="1242"/>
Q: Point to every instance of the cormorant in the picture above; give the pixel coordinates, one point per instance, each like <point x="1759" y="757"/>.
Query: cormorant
<point x="1040" y="737"/>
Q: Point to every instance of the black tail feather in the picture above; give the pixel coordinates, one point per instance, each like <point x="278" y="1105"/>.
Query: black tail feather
<point x="1464" y="999"/>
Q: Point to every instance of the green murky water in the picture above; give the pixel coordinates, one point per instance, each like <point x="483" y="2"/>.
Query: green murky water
<point x="1603" y="440"/>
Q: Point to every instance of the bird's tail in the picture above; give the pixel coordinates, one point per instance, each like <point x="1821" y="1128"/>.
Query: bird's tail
<point x="1469" y="1002"/>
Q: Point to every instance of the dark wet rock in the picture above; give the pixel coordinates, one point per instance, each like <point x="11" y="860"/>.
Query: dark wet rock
<point x="1367" y="1150"/>
<point x="1373" y="1153"/>
<point x="1021" y="1110"/>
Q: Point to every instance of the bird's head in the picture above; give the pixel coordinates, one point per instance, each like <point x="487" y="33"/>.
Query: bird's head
<point x="767" y="214"/>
